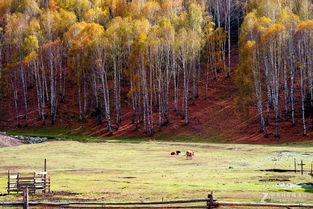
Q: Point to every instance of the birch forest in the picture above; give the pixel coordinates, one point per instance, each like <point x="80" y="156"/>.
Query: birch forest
<point x="276" y="63"/>
<point x="155" y="57"/>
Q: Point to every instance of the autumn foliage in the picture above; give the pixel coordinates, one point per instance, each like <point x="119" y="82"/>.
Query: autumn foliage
<point x="153" y="49"/>
<point x="275" y="70"/>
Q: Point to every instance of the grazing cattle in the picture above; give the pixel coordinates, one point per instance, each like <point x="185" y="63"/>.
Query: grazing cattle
<point x="189" y="155"/>
<point x="178" y="152"/>
<point x="173" y="153"/>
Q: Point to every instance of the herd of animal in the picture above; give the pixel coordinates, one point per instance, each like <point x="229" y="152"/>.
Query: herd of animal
<point x="189" y="154"/>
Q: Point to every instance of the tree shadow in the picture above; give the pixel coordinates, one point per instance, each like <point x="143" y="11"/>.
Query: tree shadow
<point x="308" y="187"/>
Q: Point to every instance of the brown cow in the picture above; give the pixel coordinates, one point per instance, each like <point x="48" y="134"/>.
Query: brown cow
<point x="189" y="155"/>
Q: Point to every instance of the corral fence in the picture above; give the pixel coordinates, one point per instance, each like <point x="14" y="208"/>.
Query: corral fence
<point x="38" y="181"/>
<point x="208" y="203"/>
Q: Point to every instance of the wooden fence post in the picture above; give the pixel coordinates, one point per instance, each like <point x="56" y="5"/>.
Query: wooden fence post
<point x="35" y="182"/>
<point x="301" y="165"/>
<point x="45" y="165"/>
<point x="18" y="182"/>
<point x="210" y="203"/>
<point x="8" y="182"/>
<point x="49" y="184"/>
<point x="295" y="164"/>
<point x="26" y="198"/>
<point x="45" y="176"/>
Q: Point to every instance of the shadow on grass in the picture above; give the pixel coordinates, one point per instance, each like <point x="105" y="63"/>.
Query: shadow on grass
<point x="60" y="133"/>
<point x="308" y="187"/>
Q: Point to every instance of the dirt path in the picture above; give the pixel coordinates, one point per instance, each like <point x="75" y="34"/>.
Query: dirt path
<point x="6" y="141"/>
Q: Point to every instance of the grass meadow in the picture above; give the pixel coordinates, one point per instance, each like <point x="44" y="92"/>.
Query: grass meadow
<point x="143" y="171"/>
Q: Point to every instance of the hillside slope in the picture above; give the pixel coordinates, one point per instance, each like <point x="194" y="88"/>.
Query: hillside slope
<point x="214" y="119"/>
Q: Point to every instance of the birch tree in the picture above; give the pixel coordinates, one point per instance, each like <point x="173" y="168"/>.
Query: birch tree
<point x="304" y="51"/>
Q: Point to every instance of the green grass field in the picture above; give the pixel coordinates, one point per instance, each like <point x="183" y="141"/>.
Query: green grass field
<point x="57" y="132"/>
<point x="145" y="171"/>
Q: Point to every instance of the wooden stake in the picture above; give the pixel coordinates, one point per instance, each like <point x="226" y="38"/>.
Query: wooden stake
<point x="301" y="165"/>
<point x="210" y="203"/>
<point x="26" y="198"/>
<point x="45" y="166"/>
<point x="295" y="164"/>
<point x="49" y="185"/>
<point x="8" y="182"/>
<point x="45" y="176"/>
<point x="35" y="182"/>
<point x="18" y="182"/>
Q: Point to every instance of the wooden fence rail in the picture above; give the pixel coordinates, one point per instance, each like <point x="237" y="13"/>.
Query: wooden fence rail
<point x="272" y="205"/>
<point x="208" y="203"/>
<point x="141" y="203"/>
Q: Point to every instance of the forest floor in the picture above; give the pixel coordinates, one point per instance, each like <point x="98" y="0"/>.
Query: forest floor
<point x="212" y="119"/>
<point x="145" y="171"/>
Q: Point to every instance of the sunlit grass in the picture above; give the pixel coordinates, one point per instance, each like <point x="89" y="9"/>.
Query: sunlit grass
<point x="146" y="171"/>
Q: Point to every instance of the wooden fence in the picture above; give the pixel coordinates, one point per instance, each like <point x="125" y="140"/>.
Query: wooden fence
<point x="36" y="182"/>
<point x="208" y="203"/>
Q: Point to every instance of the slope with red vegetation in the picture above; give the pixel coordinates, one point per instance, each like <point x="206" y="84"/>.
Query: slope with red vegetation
<point x="211" y="119"/>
